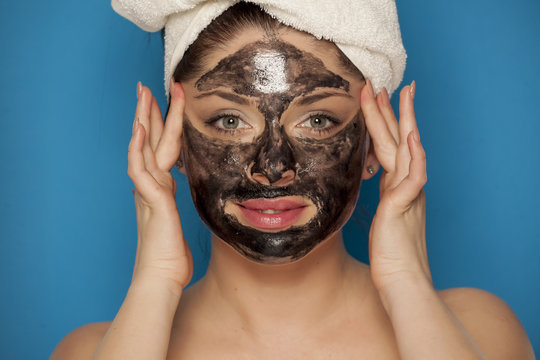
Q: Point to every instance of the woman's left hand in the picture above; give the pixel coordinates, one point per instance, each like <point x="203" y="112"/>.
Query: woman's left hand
<point x="397" y="239"/>
<point x="424" y="324"/>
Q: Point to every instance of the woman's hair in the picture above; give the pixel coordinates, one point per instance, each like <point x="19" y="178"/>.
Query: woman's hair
<point x="226" y="27"/>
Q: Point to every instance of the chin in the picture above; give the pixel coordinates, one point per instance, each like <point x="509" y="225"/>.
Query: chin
<point x="274" y="255"/>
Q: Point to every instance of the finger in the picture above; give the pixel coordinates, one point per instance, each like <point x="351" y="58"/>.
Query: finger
<point x="407" y="124"/>
<point x="403" y="160"/>
<point x="407" y="119"/>
<point x="383" y="101"/>
<point x="168" y="149"/>
<point x="143" y="111"/>
<point x="156" y="124"/>
<point x="143" y="181"/>
<point x="383" y="141"/>
<point x="143" y="116"/>
<point x="412" y="184"/>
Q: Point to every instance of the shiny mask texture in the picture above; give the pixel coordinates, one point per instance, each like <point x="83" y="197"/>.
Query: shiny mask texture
<point x="327" y="171"/>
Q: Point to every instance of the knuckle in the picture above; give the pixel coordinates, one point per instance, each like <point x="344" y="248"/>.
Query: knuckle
<point x="384" y="149"/>
<point x="421" y="179"/>
<point x="387" y="108"/>
<point x="369" y="105"/>
<point x="133" y="171"/>
<point x="373" y="108"/>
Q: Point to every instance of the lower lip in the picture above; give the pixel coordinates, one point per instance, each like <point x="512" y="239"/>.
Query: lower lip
<point x="276" y="221"/>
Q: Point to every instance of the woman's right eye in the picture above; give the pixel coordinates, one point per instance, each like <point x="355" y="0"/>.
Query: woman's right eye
<point x="229" y="122"/>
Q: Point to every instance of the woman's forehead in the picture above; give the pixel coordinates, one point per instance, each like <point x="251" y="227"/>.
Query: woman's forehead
<point x="271" y="66"/>
<point x="262" y="50"/>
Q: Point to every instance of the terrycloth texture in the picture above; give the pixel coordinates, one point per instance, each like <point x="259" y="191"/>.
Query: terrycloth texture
<point x="367" y="31"/>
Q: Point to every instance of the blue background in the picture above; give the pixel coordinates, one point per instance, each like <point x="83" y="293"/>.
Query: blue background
<point x="68" y="72"/>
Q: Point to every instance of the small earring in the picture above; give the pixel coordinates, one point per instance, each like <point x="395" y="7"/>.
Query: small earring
<point x="370" y="169"/>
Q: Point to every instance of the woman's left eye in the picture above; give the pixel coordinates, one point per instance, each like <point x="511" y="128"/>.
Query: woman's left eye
<point x="319" y="122"/>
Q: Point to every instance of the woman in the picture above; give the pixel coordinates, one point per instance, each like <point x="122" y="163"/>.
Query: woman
<point x="271" y="128"/>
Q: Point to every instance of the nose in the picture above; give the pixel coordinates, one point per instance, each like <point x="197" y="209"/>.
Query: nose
<point x="275" y="164"/>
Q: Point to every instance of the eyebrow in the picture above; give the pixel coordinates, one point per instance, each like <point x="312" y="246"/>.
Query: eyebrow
<point x="310" y="99"/>
<point x="225" y="95"/>
<point x="305" y="100"/>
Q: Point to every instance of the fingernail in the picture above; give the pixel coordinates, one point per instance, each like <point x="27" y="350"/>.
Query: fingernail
<point x="142" y="94"/>
<point x="139" y="89"/>
<point x="416" y="135"/>
<point x="412" y="89"/>
<point x="370" y="88"/>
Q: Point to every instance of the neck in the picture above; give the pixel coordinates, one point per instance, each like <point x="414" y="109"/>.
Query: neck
<point x="262" y="298"/>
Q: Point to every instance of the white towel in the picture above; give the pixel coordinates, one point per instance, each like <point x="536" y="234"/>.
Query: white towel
<point x="366" y="31"/>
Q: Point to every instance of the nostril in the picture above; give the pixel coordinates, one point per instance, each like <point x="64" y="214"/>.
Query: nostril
<point x="282" y="179"/>
<point x="254" y="175"/>
<point x="274" y="164"/>
<point x="286" y="178"/>
<point x="260" y="178"/>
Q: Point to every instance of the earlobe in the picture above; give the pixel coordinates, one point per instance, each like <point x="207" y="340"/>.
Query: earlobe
<point x="371" y="164"/>
<point x="180" y="163"/>
<point x="370" y="170"/>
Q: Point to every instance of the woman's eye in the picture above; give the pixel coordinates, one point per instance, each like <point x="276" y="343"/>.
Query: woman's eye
<point x="230" y="122"/>
<point x="318" y="122"/>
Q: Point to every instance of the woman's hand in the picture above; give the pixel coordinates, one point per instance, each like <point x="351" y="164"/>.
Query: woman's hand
<point x="397" y="239"/>
<point x="162" y="251"/>
<point x="163" y="266"/>
<point x="424" y="326"/>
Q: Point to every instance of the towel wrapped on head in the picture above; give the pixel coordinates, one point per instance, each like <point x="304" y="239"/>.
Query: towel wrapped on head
<point x="366" y="31"/>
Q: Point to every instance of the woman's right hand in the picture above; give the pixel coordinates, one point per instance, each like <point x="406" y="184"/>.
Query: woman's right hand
<point x="162" y="251"/>
<point x="163" y="266"/>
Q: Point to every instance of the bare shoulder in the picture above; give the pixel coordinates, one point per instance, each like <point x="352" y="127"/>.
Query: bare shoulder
<point x="491" y="323"/>
<point x="81" y="343"/>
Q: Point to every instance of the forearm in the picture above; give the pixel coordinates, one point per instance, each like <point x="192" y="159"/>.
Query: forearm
<point x="142" y="326"/>
<point x="424" y="326"/>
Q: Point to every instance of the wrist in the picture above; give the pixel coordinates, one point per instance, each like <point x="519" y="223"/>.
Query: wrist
<point x="406" y="288"/>
<point x="167" y="207"/>
<point x="157" y="283"/>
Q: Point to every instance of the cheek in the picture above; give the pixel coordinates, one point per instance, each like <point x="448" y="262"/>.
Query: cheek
<point x="340" y="159"/>
<point x="331" y="171"/>
<point x="215" y="161"/>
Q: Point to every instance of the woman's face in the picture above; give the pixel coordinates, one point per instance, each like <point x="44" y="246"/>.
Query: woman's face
<point x="274" y="144"/>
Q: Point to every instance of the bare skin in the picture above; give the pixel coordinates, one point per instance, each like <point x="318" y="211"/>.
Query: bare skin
<point x="326" y="305"/>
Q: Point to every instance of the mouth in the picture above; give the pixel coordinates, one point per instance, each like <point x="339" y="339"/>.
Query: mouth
<point x="273" y="214"/>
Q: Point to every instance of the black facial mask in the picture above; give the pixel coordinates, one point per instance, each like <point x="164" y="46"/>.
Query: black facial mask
<point x="327" y="171"/>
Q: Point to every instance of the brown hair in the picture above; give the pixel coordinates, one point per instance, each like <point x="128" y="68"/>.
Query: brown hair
<point x="225" y="28"/>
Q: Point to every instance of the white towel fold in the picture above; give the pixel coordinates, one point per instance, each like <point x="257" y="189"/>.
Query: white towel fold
<point x="366" y="31"/>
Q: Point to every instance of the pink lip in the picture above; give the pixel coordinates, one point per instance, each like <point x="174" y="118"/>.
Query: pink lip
<point x="289" y="212"/>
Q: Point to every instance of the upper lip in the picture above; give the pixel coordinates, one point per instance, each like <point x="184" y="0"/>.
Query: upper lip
<point x="271" y="204"/>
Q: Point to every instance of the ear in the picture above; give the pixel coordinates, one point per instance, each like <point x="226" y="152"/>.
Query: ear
<point x="180" y="163"/>
<point x="370" y="160"/>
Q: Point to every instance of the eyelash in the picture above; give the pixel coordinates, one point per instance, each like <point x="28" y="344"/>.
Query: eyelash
<point x="231" y="132"/>
<point x="334" y="122"/>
